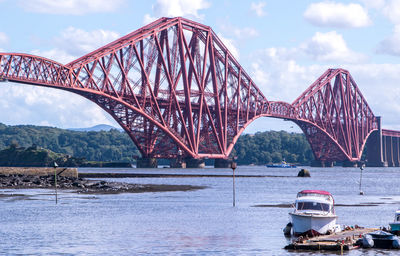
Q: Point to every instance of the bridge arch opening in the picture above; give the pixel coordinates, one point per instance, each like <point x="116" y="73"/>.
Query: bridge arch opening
<point x="273" y="140"/>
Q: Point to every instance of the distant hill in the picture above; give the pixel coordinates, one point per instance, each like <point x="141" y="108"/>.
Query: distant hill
<point x="96" y="128"/>
<point x="108" y="146"/>
<point x="36" y="156"/>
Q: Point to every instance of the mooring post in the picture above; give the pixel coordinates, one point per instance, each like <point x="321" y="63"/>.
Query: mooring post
<point x="233" y="166"/>
<point x="55" y="178"/>
<point x="361" y="170"/>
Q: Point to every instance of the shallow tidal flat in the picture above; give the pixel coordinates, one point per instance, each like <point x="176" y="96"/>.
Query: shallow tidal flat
<point x="80" y="185"/>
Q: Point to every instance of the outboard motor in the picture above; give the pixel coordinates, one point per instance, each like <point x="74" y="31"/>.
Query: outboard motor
<point x="367" y="241"/>
<point x="396" y="243"/>
<point x="288" y="229"/>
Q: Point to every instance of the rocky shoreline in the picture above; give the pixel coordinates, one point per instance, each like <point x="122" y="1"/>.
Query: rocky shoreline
<point x="80" y="185"/>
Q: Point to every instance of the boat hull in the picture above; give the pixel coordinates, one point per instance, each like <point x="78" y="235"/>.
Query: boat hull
<point x="312" y="224"/>
<point x="281" y="166"/>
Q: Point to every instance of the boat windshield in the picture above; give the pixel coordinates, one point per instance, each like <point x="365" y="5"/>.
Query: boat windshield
<point x="312" y="206"/>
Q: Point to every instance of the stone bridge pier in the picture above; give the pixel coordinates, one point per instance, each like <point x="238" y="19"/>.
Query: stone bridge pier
<point x="383" y="147"/>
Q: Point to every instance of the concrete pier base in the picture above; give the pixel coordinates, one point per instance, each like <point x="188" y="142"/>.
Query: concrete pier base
<point x="391" y="164"/>
<point x="349" y="164"/>
<point x="177" y="163"/>
<point x="318" y="163"/>
<point x="146" y="162"/>
<point x="222" y="163"/>
<point x="377" y="164"/>
<point x="195" y="163"/>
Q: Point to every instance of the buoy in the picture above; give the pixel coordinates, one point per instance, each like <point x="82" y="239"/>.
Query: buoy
<point x="288" y="229"/>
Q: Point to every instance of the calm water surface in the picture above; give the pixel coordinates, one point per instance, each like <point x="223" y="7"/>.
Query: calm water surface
<point x="190" y="223"/>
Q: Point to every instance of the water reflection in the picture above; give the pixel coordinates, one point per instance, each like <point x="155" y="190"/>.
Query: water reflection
<point x="192" y="222"/>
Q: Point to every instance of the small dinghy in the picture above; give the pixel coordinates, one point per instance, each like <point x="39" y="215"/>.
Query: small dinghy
<point x="380" y="239"/>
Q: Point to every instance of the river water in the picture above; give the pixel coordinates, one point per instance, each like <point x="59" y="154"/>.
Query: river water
<point x="190" y="223"/>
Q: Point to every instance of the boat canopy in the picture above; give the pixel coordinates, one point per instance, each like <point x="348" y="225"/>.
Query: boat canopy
<point x="315" y="193"/>
<point x="321" y="192"/>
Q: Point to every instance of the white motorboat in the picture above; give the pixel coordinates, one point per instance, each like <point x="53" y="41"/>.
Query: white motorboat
<point x="314" y="214"/>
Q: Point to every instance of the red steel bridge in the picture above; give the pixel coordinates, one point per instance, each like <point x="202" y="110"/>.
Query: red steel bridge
<point x="176" y="89"/>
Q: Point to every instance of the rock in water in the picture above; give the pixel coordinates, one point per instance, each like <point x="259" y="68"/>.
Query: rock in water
<point x="304" y="173"/>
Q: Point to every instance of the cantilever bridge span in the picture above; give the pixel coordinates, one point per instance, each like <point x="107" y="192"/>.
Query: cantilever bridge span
<point x="174" y="87"/>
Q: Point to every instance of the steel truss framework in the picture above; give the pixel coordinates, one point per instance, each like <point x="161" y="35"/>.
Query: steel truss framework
<point x="172" y="85"/>
<point x="335" y="117"/>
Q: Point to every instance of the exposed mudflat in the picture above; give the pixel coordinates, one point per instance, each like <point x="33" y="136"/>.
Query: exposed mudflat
<point x="80" y="185"/>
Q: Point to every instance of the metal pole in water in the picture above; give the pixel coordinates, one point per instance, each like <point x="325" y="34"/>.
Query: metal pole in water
<point x="361" y="170"/>
<point x="233" y="166"/>
<point x="55" y="178"/>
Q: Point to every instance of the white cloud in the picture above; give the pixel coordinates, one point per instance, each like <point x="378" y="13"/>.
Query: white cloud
<point x="377" y="4"/>
<point x="245" y="32"/>
<point x="230" y="44"/>
<point x="331" y="46"/>
<point x="3" y="38"/>
<point x="77" y="42"/>
<point x="392" y="11"/>
<point x="73" y="7"/>
<point x="177" y="8"/>
<point x="391" y="45"/>
<point x="44" y="106"/>
<point x="56" y="54"/>
<point x="280" y="77"/>
<point x="73" y="43"/>
<point x="379" y="85"/>
<point x="331" y="14"/>
<point x="148" y="19"/>
<point x="258" y="8"/>
<point x="240" y="33"/>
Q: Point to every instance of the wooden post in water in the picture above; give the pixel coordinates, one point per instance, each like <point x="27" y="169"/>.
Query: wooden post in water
<point x="233" y="166"/>
<point x="55" y="178"/>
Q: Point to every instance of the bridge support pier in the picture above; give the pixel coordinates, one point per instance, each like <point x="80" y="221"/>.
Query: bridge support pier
<point x="319" y="163"/>
<point x="146" y="162"/>
<point x="222" y="163"/>
<point x="177" y="163"/>
<point x="376" y="150"/>
<point x="195" y="163"/>
<point x="349" y="164"/>
<point x="396" y="145"/>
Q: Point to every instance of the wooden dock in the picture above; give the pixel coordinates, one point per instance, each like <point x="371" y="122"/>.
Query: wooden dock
<point x="341" y="241"/>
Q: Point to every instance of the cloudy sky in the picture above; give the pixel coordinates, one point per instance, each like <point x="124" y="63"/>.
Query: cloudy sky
<point x="284" y="45"/>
